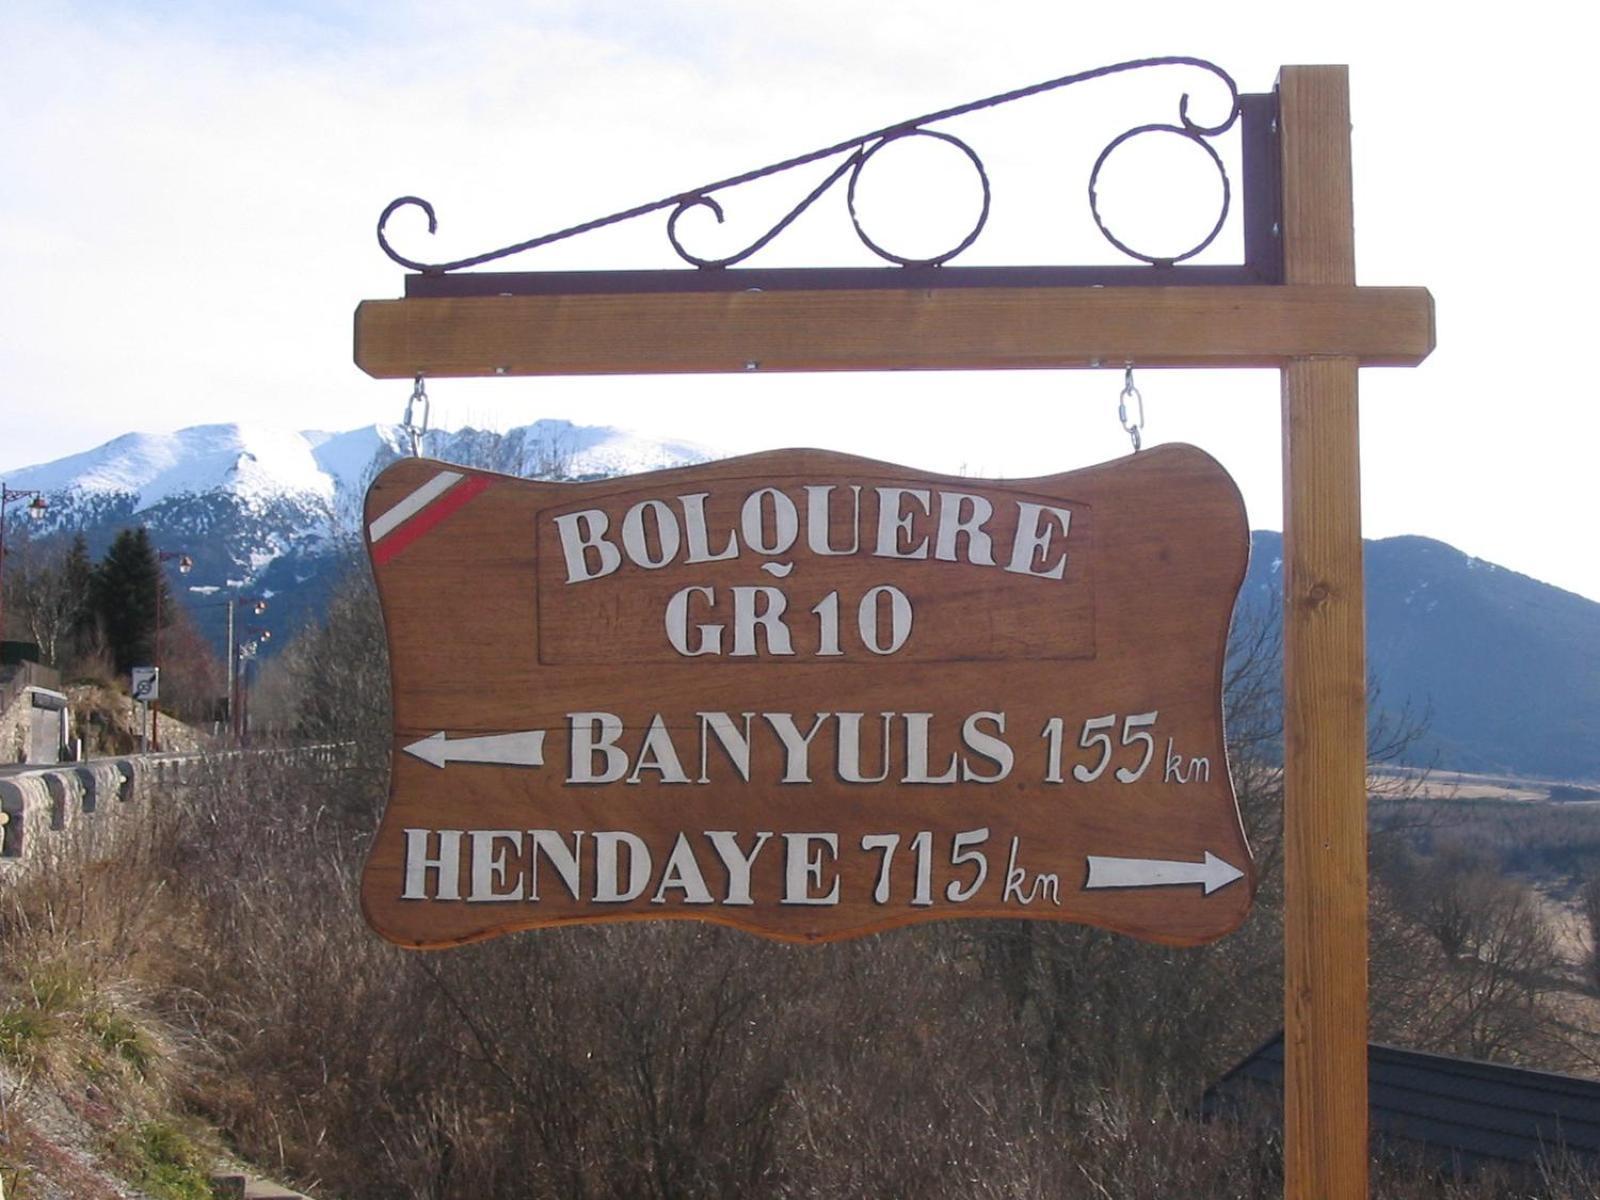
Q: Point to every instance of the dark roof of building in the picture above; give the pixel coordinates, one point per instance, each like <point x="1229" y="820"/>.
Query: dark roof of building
<point x="1472" y="1111"/>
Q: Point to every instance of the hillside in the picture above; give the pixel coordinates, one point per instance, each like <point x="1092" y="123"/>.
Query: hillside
<point x="1505" y="669"/>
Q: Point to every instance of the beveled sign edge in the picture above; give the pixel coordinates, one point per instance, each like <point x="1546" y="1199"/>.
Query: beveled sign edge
<point x="740" y="466"/>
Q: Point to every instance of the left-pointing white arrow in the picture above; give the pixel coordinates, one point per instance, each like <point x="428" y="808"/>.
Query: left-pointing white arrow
<point x="506" y="749"/>
<point x="1155" y="872"/>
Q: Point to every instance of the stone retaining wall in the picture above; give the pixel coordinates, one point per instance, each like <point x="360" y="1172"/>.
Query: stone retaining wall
<point x="55" y="815"/>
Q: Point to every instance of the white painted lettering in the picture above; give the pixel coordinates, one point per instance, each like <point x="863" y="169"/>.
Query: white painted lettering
<point x="785" y="522"/>
<point x="694" y="529"/>
<point x="1033" y="541"/>
<point x="894" y="523"/>
<point x="963" y="849"/>
<point x="885" y="843"/>
<point x="1180" y="771"/>
<point x="734" y="743"/>
<point x="818" y="514"/>
<point x="446" y="864"/>
<point x="911" y="523"/>
<point x="917" y="752"/>
<point x="737" y="862"/>
<point x="827" y="610"/>
<point x="980" y="546"/>
<point x="807" y="857"/>
<point x="658" y="754"/>
<point x="796" y="749"/>
<point x="636" y="537"/>
<point x="677" y="618"/>
<point x="608" y="851"/>
<point x="749" y="615"/>
<point x="682" y="873"/>
<point x="992" y="747"/>
<point x="899" y="619"/>
<point x="489" y="865"/>
<point x="582" y="532"/>
<point x="850" y="748"/>
<point x="1019" y="887"/>
<point x="554" y="848"/>
<point x="595" y="733"/>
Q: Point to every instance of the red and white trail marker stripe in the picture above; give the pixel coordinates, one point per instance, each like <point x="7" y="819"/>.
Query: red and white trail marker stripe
<point x="420" y="511"/>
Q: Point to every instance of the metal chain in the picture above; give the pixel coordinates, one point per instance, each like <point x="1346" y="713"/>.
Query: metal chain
<point x="419" y="391"/>
<point x="1132" y="428"/>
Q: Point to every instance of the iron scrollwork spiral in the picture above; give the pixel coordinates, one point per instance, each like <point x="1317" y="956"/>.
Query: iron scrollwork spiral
<point x="857" y="152"/>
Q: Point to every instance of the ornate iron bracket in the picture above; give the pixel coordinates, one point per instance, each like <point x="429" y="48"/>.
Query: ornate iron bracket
<point x="1256" y="116"/>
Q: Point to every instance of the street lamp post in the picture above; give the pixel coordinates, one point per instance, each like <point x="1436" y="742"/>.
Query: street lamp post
<point x="185" y="565"/>
<point x="258" y="605"/>
<point x="35" y="511"/>
<point x="246" y="655"/>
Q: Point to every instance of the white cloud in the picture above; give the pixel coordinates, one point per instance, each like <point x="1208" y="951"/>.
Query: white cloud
<point x="186" y="221"/>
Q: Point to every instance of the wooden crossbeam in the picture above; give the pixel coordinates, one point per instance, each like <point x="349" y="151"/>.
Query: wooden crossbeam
<point x="889" y="330"/>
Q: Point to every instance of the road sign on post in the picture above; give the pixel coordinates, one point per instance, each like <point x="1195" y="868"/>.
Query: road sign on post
<point x="146" y="684"/>
<point x="809" y="695"/>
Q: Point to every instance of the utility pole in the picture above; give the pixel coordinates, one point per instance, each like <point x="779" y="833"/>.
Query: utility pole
<point x="185" y="565"/>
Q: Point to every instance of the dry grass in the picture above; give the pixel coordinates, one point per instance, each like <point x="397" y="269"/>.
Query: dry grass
<point x="236" y="981"/>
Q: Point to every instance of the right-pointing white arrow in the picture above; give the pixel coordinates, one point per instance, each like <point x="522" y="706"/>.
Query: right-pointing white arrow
<point x="1156" y="872"/>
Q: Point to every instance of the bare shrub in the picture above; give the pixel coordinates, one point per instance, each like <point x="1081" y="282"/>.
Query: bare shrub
<point x="1589" y="900"/>
<point x="193" y="675"/>
<point x="336" y="677"/>
<point x="1470" y="966"/>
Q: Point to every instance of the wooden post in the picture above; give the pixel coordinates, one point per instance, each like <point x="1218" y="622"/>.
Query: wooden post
<point x="1324" y="669"/>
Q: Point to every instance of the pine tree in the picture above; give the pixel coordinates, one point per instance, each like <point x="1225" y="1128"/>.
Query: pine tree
<point x="78" y="582"/>
<point x="123" y="597"/>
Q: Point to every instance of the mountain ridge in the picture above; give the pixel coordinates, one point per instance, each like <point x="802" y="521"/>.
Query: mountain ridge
<point x="1506" y="667"/>
<point x="1503" y="668"/>
<point x="271" y="514"/>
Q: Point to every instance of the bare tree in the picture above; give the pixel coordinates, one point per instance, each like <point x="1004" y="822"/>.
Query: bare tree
<point x="1470" y="964"/>
<point x="52" y="593"/>
<point x="542" y="450"/>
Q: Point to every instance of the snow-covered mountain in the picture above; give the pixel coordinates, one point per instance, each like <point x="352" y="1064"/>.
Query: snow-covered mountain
<point x="250" y="462"/>
<point x="268" y="512"/>
<point x="258" y="467"/>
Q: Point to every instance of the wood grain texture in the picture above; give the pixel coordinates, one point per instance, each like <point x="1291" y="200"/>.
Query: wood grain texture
<point x="496" y="627"/>
<point x="1318" y="208"/>
<point x="1325" y="827"/>
<point x="966" y="328"/>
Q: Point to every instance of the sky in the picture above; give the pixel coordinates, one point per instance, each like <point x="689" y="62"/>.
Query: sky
<point x="189" y="194"/>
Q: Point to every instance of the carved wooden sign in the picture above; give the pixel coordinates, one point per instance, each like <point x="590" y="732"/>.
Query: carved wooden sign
<point x="809" y="695"/>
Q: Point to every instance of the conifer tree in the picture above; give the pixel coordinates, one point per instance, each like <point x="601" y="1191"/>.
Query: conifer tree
<point x="123" y="595"/>
<point x="78" y="583"/>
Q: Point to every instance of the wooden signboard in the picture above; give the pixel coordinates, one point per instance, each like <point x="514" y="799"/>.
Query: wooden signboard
<point x="1308" y="320"/>
<point x="809" y="695"/>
